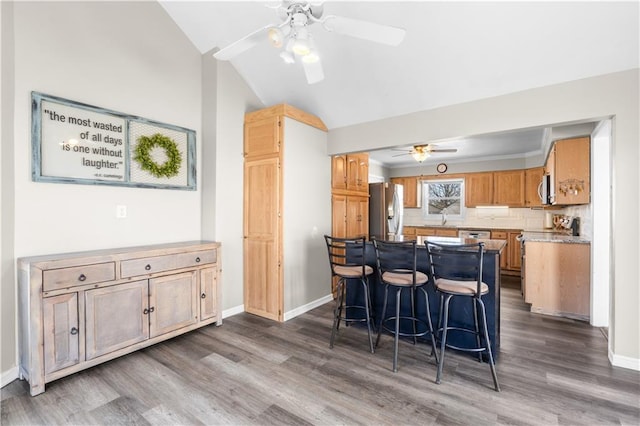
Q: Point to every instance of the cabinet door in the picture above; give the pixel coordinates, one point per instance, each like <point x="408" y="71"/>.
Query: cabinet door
<point x="509" y="188"/>
<point x="208" y="295"/>
<point x="532" y="182"/>
<point x="515" y="259"/>
<point x="504" y="256"/>
<point x="572" y="171"/>
<point x="339" y="172"/>
<point x="478" y="189"/>
<point x="339" y="216"/>
<point x="358" y="172"/>
<point x="60" y="323"/>
<point x="357" y="216"/>
<point x="116" y="317"/>
<point x="262" y="230"/>
<point x="262" y="137"/>
<point x="173" y="303"/>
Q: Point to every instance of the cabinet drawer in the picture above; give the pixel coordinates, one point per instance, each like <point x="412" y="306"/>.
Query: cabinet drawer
<point x="150" y="265"/>
<point x="54" y="279"/>
<point x="498" y="235"/>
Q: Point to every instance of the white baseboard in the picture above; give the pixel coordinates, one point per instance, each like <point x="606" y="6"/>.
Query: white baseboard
<point x="306" y="308"/>
<point x="8" y="376"/>
<point x="233" y="311"/>
<point x="624" y="361"/>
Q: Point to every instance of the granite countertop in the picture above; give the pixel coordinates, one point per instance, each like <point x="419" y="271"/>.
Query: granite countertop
<point x="465" y="227"/>
<point x="490" y="246"/>
<point x="553" y="237"/>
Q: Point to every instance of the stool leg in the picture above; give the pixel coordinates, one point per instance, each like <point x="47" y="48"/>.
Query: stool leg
<point x="443" y="342"/>
<point x="367" y="309"/>
<point x="475" y="323"/>
<point x="433" y="340"/>
<point x="488" y="343"/>
<point x="397" y="331"/>
<point x="413" y="314"/>
<point x="384" y="312"/>
<point x="337" y="312"/>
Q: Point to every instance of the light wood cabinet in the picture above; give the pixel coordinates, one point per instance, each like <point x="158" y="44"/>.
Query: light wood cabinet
<point x="77" y="310"/>
<point x="350" y="216"/>
<point x="350" y="172"/>
<point x="557" y="278"/>
<point x="509" y="188"/>
<point x="532" y="182"/>
<point x="504" y="256"/>
<point x="411" y="190"/>
<point x="478" y="189"/>
<point x="571" y="171"/>
<point x="287" y="187"/>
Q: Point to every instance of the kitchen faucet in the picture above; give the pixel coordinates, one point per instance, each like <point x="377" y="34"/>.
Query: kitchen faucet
<point x="444" y="216"/>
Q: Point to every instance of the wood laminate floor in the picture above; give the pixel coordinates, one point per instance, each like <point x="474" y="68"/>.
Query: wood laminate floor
<point x="255" y="371"/>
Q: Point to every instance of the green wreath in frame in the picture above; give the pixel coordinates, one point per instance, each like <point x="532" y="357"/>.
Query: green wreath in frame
<point x="145" y="145"/>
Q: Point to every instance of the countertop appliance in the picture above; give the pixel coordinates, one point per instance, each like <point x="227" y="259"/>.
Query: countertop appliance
<point x="474" y="234"/>
<point x="385" y="210"/>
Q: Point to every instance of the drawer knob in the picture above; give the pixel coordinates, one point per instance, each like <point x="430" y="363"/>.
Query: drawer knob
<point x="146" y="311"/>
<point x="74" y="331"/>
<point x="197" y="260"/>
<point x="148" y="267"/>
<point x="82" y="277"/>
<point x="203" y="296"/>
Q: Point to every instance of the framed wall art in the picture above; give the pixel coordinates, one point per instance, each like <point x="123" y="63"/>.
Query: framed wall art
<point x="78" y="143"/>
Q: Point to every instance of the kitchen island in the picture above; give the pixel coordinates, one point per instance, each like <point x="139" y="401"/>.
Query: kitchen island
<point x="461" y="309"/>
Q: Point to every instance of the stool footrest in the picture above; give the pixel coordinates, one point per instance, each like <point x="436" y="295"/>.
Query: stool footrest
<point x="416" y="320"/>
<point x="438" y="333"/>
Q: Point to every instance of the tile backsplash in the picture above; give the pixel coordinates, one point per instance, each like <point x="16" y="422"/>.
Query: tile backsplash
<point x="508" y="218"/>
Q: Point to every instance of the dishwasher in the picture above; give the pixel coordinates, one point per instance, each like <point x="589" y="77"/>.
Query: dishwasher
<point x="464" y="233"/>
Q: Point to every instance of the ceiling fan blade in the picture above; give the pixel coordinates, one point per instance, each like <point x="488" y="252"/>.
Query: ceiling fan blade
<point x="443" y="150"/>
<point x="384" y="34"/>
<point x="400" y="155"/>
<point x="243" y="44"/>
<point x="313" y="71"/>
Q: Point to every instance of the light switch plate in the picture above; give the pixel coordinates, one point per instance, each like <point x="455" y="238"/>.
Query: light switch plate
<point x="121" y="212"/>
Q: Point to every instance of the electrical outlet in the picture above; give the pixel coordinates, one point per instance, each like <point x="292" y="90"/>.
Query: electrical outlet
<point x="121" y="212"/>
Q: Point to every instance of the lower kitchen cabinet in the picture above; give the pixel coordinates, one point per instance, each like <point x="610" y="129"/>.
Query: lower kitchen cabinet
<point x="81" y="309"/>
<point x="558" y="278"/>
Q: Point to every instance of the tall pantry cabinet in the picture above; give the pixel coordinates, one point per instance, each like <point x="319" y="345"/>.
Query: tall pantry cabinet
<point x="286" y="214"/>
<point x="350" y="195"/>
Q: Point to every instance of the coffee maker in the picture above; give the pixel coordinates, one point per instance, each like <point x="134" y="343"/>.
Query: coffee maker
<point x="575" y="226"/>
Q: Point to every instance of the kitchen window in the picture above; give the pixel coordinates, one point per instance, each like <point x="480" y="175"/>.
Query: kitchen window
<point x="443" y="199"/>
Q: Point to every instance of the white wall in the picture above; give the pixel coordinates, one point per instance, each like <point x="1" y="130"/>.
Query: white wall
<point x="235" y="98"/>
<point x="125" y="56"/>
<point x="588" y="99"/>
<point x="307" y="215"/>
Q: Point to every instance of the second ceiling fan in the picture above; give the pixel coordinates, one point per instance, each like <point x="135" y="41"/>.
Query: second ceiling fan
<point x="293" y="36"/>
<point x="422" y="152"/>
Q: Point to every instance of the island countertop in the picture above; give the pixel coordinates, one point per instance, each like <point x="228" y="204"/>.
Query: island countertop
<point x="490" y="246"/>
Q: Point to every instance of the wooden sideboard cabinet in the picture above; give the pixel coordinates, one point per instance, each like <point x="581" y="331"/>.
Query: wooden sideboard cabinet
<point x="77" y="310"/>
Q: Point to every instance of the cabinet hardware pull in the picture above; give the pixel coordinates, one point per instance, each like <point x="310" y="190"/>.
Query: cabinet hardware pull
<point x="197" y="260"/>
<point x="146" y="311"/>
<point x="74" y="331"/>
<point x="151" y="309"/>
<point x="82" y="277"/>
<point x="148" y="267"/>
<point x="203" y="296"/>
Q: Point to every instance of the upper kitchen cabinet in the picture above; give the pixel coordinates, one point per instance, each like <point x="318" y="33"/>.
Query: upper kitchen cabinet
<point x="568" y="166"/>
<point x="508" y="188"/>
<point x="411" y="190"/>
<point x="478" y="189"/>
<point x="532" y="182"/>
<point x="262" y="137"/>
<point x="350" y="172"/>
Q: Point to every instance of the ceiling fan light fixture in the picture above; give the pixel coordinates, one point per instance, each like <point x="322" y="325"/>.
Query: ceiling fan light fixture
<point x="311" y="58"/>
<point x="301" y="45"/>
<point x="287" y="57"/>
<point x="276" y="37"/>
<point x="420" y="155"/>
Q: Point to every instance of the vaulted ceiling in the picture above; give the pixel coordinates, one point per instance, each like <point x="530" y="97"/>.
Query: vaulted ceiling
<point x="453" y="52"/>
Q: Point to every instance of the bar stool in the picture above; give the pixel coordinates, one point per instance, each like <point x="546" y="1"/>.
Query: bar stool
<point x="396" y="262"/>
<point x="346" y="257"/>
<point x="457" y="272"/>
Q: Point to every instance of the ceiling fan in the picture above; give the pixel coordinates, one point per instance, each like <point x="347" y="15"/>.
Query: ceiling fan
<point x="293" y="35"/>
<point x="422" y="152"/>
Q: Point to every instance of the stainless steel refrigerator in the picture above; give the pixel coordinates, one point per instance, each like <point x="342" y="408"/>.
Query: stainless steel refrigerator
<point x="385" y="210"/>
